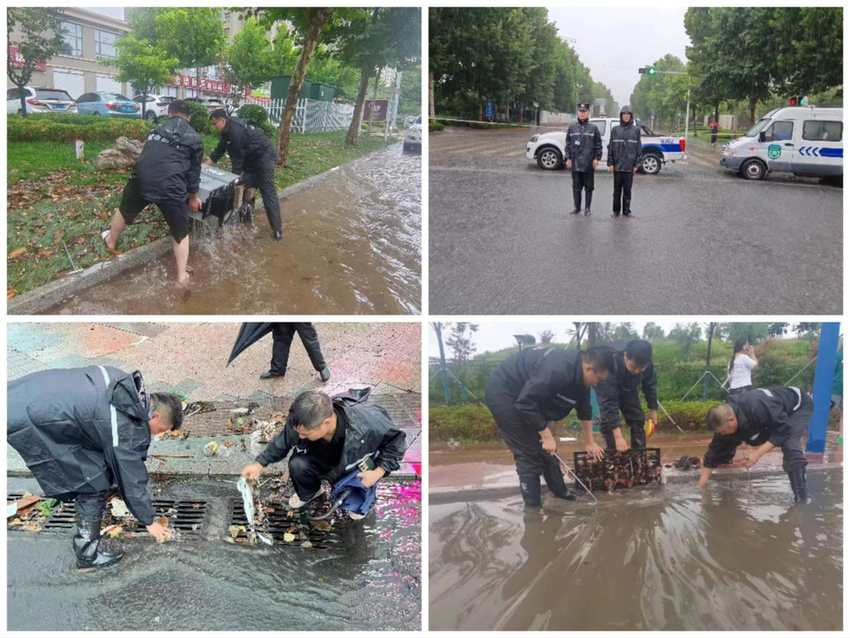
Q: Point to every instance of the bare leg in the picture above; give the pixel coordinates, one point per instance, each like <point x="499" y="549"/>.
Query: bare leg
<point x="117" y="227"/>
<point x="181" y="256"/>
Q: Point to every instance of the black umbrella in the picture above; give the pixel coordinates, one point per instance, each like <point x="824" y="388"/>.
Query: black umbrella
<point x="249" y="334"/>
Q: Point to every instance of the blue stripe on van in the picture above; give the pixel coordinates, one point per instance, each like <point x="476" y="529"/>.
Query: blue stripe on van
<point x="667" y="148"/>
<point x="831" y="152"/>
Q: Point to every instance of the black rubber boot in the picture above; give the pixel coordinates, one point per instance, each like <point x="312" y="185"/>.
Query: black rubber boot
<point x="271" y="375"/>
<point x="627" y="209"/>
<point x="555" y="480"/>
<point x="588" y="197"/>
<point x="90" y="548"/>
<point x="278" y="235"/>
<point x="576" y="202"/>
<point x="529" y="485"/>
<point x="325" y="374"/>
<point x="798" y="484"/>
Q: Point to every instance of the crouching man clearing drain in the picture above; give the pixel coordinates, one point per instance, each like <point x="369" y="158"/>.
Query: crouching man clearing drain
<point x="81" y="431"/>
<point x="532" y="388"/>
<point x="343" y="440"/>
<point x="168" y="173"/>
<point x="765" y="418"/>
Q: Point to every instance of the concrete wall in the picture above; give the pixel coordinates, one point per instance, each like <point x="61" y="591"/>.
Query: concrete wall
<point x="551" y="117"/>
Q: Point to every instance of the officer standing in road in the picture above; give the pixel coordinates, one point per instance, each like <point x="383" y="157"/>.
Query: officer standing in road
<point x="80" y="431"/>
<point x="624" y="156"/>
<point x="253" y="156"/>
<point x="532" y="388"/>
<point x="168" y="173"/>
<point x="584" y="150"/>
<point x="619" y="393"/>
<point x="765" y="418"/>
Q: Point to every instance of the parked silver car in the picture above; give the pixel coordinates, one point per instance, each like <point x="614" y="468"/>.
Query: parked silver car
<point x="40" y="100"/>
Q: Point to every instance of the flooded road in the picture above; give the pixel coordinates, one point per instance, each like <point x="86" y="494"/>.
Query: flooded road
<point x="660" y="558"/>
<point x="368" y="579"/>
<point x="352" y="245"/>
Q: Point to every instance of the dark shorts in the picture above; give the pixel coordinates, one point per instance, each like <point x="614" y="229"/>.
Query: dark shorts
<point x="176" y="213"/>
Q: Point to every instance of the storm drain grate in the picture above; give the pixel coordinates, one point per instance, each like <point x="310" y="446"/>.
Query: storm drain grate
<point x="279" y="523"/>
<point x="187" y="517"/>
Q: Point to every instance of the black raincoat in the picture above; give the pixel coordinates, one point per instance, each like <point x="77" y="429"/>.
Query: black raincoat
<point x="764" y="414"/>
<point x="545" y="384"/>
<point x="169" y="168"/>
<point x="625" y="148"/>
<point x="370" y="430"/>
<point x="584" y="144"/>
<point x="620" y="382"/>
<point x="248" y="147"/>
<point x="78" y="430"/>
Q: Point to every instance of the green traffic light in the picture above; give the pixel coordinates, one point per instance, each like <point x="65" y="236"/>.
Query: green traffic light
<point x="651" y="70"/>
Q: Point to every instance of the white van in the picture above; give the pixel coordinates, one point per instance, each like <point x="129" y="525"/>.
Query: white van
<point x="803" y="140"/>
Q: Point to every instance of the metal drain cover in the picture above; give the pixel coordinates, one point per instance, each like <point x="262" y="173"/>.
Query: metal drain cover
<point x="186" y="516"/>
<point x="279" y="523"/>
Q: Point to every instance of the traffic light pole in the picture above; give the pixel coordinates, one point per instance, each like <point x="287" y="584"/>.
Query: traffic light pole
<point x="651" y="70"/>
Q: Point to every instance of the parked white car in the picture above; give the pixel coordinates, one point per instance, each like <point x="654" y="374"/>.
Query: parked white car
<point x="413" y="136"/>
<point x="40" y="100"/>
<point x="156" y="106"/>
<point x="547" y="149"/>
<point x="803" y="140"/>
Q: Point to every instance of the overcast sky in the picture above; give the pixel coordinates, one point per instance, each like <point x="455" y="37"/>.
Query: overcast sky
<point x="495" y="336"/>
<point x="113" y="12"/>
<point x="615" y="41"/>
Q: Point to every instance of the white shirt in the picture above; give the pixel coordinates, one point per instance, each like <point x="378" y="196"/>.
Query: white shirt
<point x="741" y="374"/>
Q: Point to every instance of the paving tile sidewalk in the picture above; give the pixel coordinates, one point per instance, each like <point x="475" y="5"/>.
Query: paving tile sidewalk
<point x="190" y="358"/>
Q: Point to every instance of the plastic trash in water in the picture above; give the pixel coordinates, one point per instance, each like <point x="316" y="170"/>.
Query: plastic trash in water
<point x="247" y="491"/>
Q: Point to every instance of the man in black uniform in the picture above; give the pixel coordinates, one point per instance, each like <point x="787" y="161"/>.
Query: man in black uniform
<point x="254" y="156"/>
<point x="282" y="333"/>
<point x="532" y="388"/>
<point x="624" y="156"/>
<point x="82" y="430"/>
<point x="167" y="173"/>
<point x="584" y="150"/>
<point x="619" y="393"/>
<point x="328" y="438"/>
<point x="764" y="418"/>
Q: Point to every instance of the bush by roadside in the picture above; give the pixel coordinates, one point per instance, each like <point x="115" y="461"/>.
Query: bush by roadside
<point x="68" y="128"/>
<point x="259" y="117"/>
<point x="199" y="118"/>
<point x="436" y="126"/>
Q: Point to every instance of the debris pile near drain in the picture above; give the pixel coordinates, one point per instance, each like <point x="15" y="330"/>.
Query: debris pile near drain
<point x="29" y="512"/>
<point x="619" y="470"/>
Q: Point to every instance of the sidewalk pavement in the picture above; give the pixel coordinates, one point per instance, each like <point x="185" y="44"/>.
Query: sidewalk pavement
<point x="189" y="359"/>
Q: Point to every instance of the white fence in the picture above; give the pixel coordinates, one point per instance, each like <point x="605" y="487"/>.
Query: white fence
<point x="311" y="116"/>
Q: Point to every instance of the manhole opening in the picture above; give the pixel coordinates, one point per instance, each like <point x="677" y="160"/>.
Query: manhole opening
<point x="278" y="522"/>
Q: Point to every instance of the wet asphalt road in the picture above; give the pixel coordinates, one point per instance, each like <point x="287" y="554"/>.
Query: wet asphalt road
<point x="368" y="578"/>
<point x="704" y="241"/>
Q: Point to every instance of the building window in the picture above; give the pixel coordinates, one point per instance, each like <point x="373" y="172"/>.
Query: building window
<point x="104" y="44"/>
<point x="212" y="72"/>
<point x="73" y="37"/>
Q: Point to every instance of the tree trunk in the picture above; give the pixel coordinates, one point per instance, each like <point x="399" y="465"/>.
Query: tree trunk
<point x="23" y="100"/>
<point x="354" y="129"/>
<point x="521" y="113"/>
<point x="374" y="99"/>
<point x="480" y="112"/>
<point x="591" y="335"/>
<point x="753" y="103"/>
<point x="432" y="112"/>
<point x="318" y="17"/>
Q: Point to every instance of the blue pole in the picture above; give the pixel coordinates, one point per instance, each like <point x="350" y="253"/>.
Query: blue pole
<point x="824" y="369"/>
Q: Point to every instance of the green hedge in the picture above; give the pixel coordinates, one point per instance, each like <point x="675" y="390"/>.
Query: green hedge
<point x="436" y="126"/>
<point x="67" y="128"/>
<point x="199" y="118"/>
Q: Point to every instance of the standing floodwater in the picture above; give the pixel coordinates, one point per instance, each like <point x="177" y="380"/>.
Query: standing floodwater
<point x="368" y="578"/>
<point x="351" y="245"/>
<point x="658" y="558"/>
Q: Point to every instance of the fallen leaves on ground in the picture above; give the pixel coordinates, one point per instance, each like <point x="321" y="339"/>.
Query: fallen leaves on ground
<point x="288" y="537"/>
<point x="18" y="252"/>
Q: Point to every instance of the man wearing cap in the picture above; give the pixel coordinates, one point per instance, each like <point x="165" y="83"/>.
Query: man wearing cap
<point x="584" y="150"/>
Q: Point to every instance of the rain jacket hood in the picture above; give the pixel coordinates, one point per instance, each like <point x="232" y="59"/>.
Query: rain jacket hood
<point x="627" y="109"/>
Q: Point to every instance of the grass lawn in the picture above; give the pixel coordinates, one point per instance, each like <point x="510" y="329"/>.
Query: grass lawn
<point x="52" y="198"/>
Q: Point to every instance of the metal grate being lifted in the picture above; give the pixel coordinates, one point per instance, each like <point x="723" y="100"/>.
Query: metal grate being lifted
<point x="321" y="535"/>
